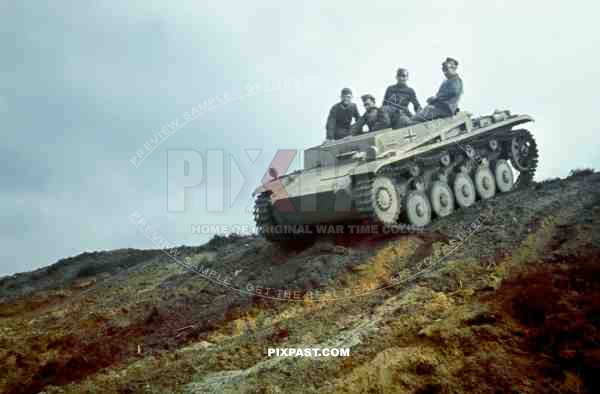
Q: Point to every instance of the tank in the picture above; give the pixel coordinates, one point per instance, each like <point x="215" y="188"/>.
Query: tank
<point x="410" y="175"/>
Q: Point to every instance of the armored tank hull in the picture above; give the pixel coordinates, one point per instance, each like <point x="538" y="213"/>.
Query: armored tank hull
<point x="410" y="175"/>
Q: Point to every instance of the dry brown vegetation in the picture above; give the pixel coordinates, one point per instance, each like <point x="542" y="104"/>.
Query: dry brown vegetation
<point x="516" y="309"/>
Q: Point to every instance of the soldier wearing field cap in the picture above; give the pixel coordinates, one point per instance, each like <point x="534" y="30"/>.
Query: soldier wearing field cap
<point x="341" y="115"/>
<point x="445" y="102"/>
<point x="375" y="118"/>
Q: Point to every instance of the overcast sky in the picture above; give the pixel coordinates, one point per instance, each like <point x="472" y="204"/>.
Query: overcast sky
<point x="85" y="84"/>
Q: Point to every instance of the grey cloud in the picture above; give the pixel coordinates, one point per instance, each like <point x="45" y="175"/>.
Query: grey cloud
<point x="83" y="85"/>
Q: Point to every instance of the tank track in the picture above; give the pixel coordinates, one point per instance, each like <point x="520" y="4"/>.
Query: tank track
<point x="503" y="137"/>
<point x="363" y="184"/>
<point x="362" y="193"/>
<point x="525" y="176"/>
<point x="263" y="217"/>
<point x="525" y="165"/>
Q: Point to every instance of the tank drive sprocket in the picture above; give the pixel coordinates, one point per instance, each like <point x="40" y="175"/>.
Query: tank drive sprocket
<point x="524" y="156"/>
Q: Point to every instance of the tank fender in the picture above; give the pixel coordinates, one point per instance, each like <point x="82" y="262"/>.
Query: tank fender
<point x="519" y="120"/>
<point x="371" y="167"/>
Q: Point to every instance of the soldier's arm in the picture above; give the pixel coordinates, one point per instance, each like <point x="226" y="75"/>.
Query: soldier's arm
<point x="330" y="134"/>
<point x="355" y="114"/>
<point x="386" y="95"/>
<point x="385" y="119"/>
<point x="415" y="102"/>
<point x="449" y="89"/>
<point x="330" y="125"/>
<point x="357" y="127"/>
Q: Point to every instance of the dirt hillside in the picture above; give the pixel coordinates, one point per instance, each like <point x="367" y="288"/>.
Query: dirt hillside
<point x="503" y="297"/>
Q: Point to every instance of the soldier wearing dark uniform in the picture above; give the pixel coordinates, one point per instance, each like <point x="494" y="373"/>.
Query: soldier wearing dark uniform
<point x="397" y="98"/>
<point x="445" y="102"/>
<point x="340" y="116"/>
<point x="375" y="118"/>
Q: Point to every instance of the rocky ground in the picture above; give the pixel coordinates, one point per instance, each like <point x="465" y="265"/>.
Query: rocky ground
<point x="503" y="297"/>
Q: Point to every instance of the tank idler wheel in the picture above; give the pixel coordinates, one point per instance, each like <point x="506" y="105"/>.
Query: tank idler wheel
<point x="442" y="199"/>
<point x="464" y="190"/>
<point x="504" y="176"/>
<point x="418" y="208"/>
<point x="263" y="216"/>
<point x="267" y="223"/>
<point x="485" y="183"/>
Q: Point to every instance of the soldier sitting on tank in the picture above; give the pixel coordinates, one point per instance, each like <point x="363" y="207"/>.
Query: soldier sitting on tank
<point x="445" y="102"/>
<point x="375" y="118"/>
<point x="340" y="116"/>
<point x="396" y="100"/>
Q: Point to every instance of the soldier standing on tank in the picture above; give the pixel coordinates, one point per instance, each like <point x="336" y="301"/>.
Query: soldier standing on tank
<point x="445" y="102"/>
<point x="375" y="118"/>
<point x="397" y="98"/>
<point x="341" y="115"/>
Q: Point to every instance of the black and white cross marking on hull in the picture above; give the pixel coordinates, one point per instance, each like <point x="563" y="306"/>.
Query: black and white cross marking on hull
<point x="410" y="135"/>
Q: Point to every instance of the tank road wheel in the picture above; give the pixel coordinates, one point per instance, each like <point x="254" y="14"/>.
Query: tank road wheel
<point x="386" y="207"/>
<point x="504" y="176"/>
<point x="442" y="200"/>
<point x="485" y="184"/>
<point x="418" y="208"/>
<point x="377" y="198"/>
<point x="464" y="190"/>
<point x="523" y="154"/>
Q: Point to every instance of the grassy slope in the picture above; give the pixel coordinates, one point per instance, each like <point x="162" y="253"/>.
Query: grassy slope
<point x="514" y="309"/>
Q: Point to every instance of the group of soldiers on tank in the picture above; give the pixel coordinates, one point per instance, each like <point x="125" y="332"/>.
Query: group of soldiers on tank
<point x="395" y="112"/>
